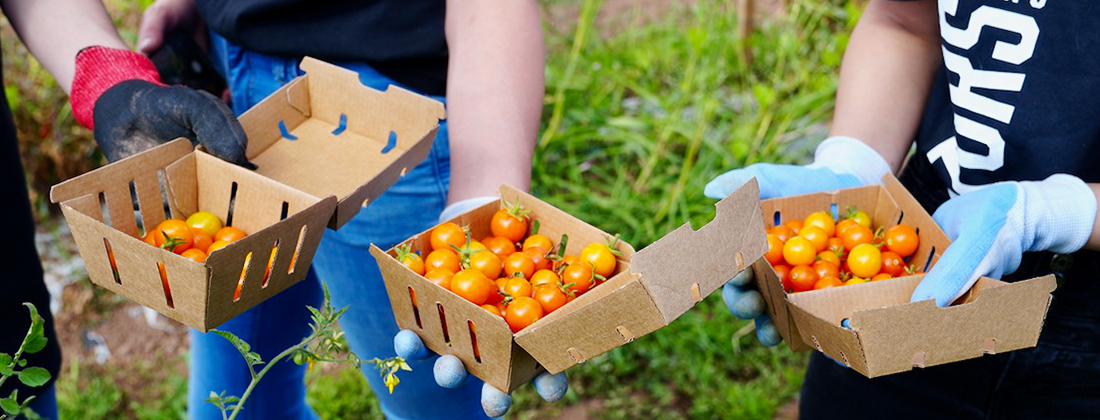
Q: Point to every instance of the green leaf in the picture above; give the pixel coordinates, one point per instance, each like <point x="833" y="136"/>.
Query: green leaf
<point x="6" y="370"/>
<point x="10" y="406"/>
<point x="34" y="344"/>
<point x="34" y="376"/>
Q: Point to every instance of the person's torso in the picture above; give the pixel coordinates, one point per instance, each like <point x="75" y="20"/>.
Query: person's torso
<point x="402" y="39"/>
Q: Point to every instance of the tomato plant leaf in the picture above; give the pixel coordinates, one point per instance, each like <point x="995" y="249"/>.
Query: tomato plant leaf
<point x="34" y="344"/>
<point x="34" y="376"/>
<point x="10" y="406"/>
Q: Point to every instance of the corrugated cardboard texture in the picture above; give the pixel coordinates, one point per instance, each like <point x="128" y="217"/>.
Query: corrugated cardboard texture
<point x="888" y="333"/>
<point x="193" y="181"/>
<point x="321" y="158"/>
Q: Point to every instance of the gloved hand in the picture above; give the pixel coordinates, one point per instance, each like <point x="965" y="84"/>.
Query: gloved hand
<point x="991" y="228"/>
<point x="450" y="373"/>
<point x="839" y="162"/>
<point x="118" y="94"/>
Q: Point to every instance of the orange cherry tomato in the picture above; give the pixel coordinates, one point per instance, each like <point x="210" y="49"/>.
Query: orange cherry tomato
<point x="545" y="278"/>
<point x="782" y="232"/>
<point x="601" y="257"/>
<point x="493" y="309"/>
<point x="579" y="278"/>
<point x="192" y="254"/>
<point x="229" y="234"/>
<point x="803" y="278"/>
<point x="440" y="276"/>
<point x="794" y="225"/>
<point x="471" y="285"/>
<point x="826" y="269"/>
<point x="150" y="239"/>
<point x="843" y="225"/>
<point x="854" y="281"/>
<point x="865" y="260"/>
<point x="566" y="260"/>
<point x="173" y="235"/>
<point x="836" y="245"/>
<point x="447" y="234"/>
<point x="522" y="312"/>
<point x="500" y="246"/>
<point x="537" y="241"/>
<point x="881" y="276"/>
<point x="200" y="239"/>
<point x="519" y="262"/>
<point x="902" y="240"/>
<point x="487" y="263"/>
<point x="784" y="273"/>
<point x="538" y="258"/>
<point x="856" y="235"/>
<point x="216" y="246"/>
<point x="816" y="236"/>
<point x="827" y="282"/>
<point x="406" y="257"/>
<point x="892" y="264"/>
<point x="821" y="220"/>
<point x="775" y="250"/>
<point x="510" y="222"/>
<point x="799" y="251"/>
<point x="550" y="298"/>
<point x="828" y="256"/>
<point x="442" y="258"/>
<point x="517" y="287"/>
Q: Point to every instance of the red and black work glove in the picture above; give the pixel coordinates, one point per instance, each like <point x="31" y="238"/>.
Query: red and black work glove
<point x="118" y="94"/>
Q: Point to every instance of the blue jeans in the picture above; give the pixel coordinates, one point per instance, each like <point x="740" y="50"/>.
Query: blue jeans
<point x="347" y="268"/>
<point x="45" y="405"/>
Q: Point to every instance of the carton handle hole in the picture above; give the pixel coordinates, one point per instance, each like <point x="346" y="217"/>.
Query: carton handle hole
<point x="416" y="310"/>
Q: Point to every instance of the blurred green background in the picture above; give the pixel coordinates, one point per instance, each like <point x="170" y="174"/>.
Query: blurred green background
<point x="646" y="101"/>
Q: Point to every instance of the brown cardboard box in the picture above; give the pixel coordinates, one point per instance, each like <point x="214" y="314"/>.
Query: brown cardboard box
<point x="889" y="334"/>
<point x="650" y="289"/>
<point x="325" y="145"/>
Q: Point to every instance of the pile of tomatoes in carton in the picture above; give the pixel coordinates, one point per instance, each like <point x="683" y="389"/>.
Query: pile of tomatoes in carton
<point x="195" y="238"/>
<point x="518" y="276"/>
<point x="819" y="252"/>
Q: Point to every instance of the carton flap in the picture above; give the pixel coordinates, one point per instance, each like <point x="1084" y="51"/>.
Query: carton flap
<point x="122" y="171"/>
<point x="686" y="265"/>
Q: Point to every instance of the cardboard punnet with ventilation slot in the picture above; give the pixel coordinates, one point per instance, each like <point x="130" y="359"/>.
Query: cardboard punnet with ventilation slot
<point x="325" y="145"/>
<point x="649" y="289"/>
<point x="887" y="333"/>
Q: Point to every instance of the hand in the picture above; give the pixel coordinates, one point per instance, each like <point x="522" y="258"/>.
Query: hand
<point x="117" y="93"/>
<point x="165" y="16"/>
<point x="991" y="228"/>
<point x="450" y="373"/>
<point x="745" y="302"/>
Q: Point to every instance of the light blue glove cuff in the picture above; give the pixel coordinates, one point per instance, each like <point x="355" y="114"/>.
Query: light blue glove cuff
<point x="846" y="155"/>
<point x="1058" y="214"/>
<point x="455" y="209"/>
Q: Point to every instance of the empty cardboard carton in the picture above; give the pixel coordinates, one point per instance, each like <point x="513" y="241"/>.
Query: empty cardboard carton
<point x="325" y="133"/>
<point x="279" y="219"/>
<point x="649" y="289"/>
<point x="887" y="333"/>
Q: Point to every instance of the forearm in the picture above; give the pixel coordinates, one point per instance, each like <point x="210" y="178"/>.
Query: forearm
<point x="887" y="72"/>
<point x="55" y="30"/>
<point x="495" y="87"/>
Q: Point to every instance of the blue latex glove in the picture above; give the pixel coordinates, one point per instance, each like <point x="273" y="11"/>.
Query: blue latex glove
<point x="992" y="227"/>
<point x="450" y="373"/>
<point x="839" y="162"/>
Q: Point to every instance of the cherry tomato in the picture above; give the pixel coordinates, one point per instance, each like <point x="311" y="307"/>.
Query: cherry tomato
<point x="775" y="250"/>
<point x="784" y="274"/>
<point x="823" y="221"/>
<point x="173" y="235"/>
<point x="865" y="260"/>
<point x="578" y="277"/>
<point x="205" y="222"/>
<point x="150" y="238"/>
<point x="216" y="246"/>
<point x="447" y="234"/>
<point x="902" y="240"/>
<point x="882" y="276"/>
<point x="407" y="258"/>
<point x="471" y="285"/>
<point x="550" y="298"/>
<point x="493" y="309"/>
<point x="519" y="262"/>
<point x="487" y="263"/>
<point x="836" y="245"/>
<point x="510" y="222"/>
<point x="816" y="236"/>
<point x="566" y="260"/>
<point x="860" y="217"/>
<point x="537" y="241"/>
<point x="544" y="278"/>
<point x="516" y="287"/>
<point x="440" y="276"/>
<point x="826" y="269"/>
<point x="803" y="278"/>
<point x="799" y="251"/>
<point x="200" y="240"/>
<point x="601" y="257"/>
<point x="827" y="282"/>
<point x="229" y="234"/>
<point x="538" y="258"/>
<point x="193" y="254"/>
<point x="892" y="264"/>
<point x="856" y="235"/>
<point x="496" y="292"/>
<point x="794" y="226"/>
<point x="854" y="281"/>
<point x="500" y="246"/>
<point x="782" y="232"/>
<point x="828" y="256"/>
<point x="522" y="312"/>
<point x="443" y="258"/>
<point x="844" y="225"/>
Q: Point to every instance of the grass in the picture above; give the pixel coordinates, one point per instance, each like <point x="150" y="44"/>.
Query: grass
<point x="637" y="119"/>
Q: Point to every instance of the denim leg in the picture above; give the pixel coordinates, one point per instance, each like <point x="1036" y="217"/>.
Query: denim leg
<point x="45" y="405"/>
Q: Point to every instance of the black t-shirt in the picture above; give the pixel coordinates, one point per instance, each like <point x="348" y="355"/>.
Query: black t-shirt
<point x="1018" y="98"/>
<point x="403" y="40"/>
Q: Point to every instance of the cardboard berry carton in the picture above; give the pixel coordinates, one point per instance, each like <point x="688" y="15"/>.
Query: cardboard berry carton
<point x="649" y="289"/>
<point x="325" y="146"/>
<point x="886" y="333"/>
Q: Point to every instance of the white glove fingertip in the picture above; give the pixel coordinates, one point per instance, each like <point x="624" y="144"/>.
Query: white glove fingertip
<point x="449" y="371"/>
<point x="495" y="402"/>
<point x="551" y="387"/>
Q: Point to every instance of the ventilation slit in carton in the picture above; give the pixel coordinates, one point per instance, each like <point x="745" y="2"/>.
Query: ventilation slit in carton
<point x="833" y="211"/>
<point x="270" y="263"/>
<point x="232" y="203"/>
<point x="286" y="133"/>
<point x="928" y="263"/>
<point x="164" y="283"/>
<point x="111" y="258"/>
<point x="390" y="143"/>
<point x="162" y="185"/>
<point x="286" y="210"/>
<point x="740" y="260"/>
<point x="298" y="248"/>
<point x="342" y="126"/>
<point x="901" y="216"/>
<point x="416" y="310"/>
<point x="244" y="274"/>
<point x="473" y="341"/>
<point x="139" y="218"/>
<point x="778" y="220"/>
<point x="105" y="214"/>
<point x="443" y="324"/>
